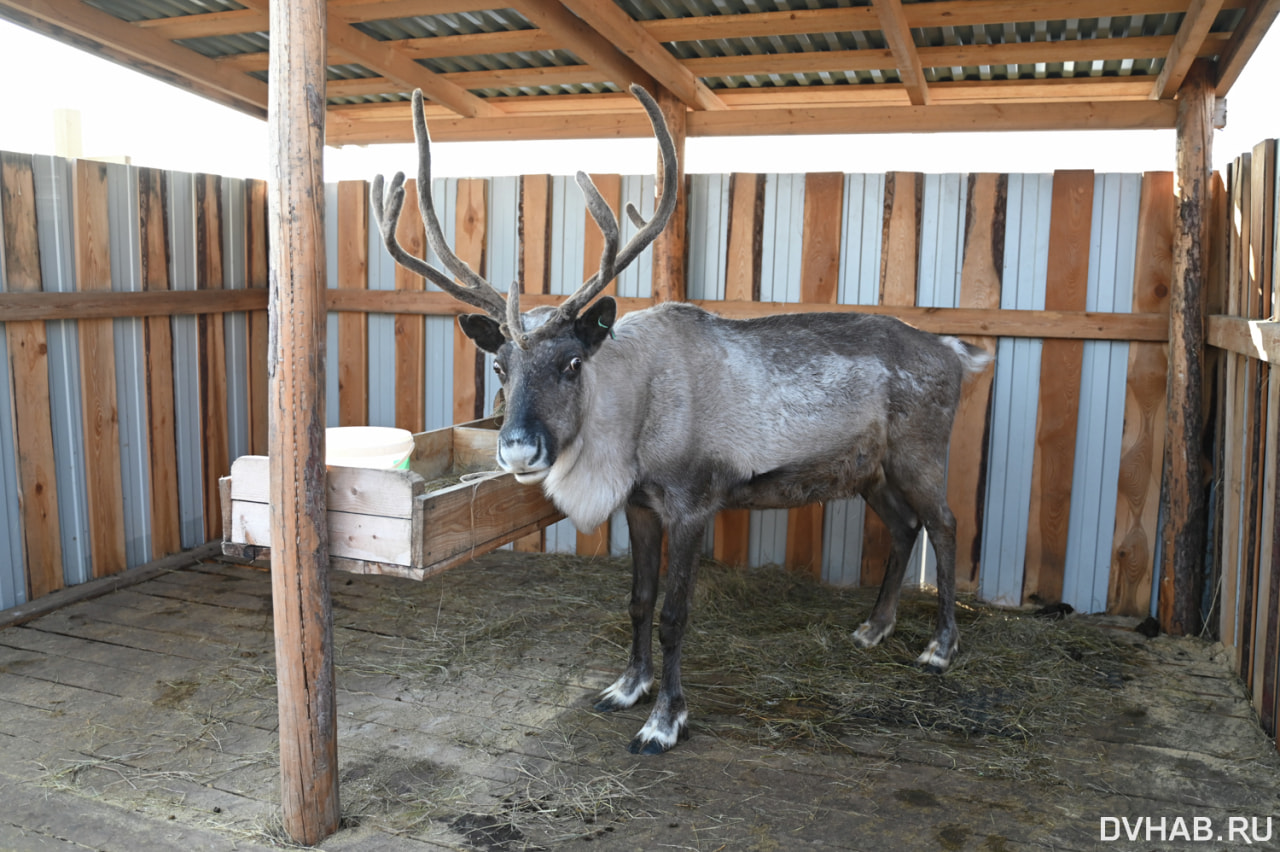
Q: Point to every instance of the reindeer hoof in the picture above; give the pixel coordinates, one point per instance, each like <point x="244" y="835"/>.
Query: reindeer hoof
<point x="657" y="736"/>
<point x="869" y="635"/>
<point x="933" y="660"/>
<point x="623" y="693"/>
<point x="638" y="746"/>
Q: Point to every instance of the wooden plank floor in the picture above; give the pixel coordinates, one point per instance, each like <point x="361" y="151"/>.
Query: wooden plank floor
<point x="144" y="720"/>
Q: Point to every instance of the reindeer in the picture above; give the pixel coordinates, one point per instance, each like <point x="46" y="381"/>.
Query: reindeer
<point x="673" y="414"/>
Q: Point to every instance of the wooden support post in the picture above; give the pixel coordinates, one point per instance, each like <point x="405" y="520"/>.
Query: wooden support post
<point x="296" y="363"/>
<point x="1184" y="501"/>
<point x="670" y="247"/>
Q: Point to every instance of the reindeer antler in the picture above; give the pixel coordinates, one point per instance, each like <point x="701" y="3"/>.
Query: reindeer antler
<point x="613" y="261"/>
<point x="475" y="290"/>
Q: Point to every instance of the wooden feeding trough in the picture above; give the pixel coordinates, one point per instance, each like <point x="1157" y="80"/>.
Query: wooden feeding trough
<point x="450" y="505"/>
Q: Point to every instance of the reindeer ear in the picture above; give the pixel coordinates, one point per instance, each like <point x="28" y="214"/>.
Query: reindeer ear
<point x="596" y="323"/>
<point x="484" y="330"/>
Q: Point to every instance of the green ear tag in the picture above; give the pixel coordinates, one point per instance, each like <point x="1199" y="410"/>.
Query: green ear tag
<point x="600" y="323"/>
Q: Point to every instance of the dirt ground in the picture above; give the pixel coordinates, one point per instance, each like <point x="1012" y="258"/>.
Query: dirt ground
<point x="144" y="719"/>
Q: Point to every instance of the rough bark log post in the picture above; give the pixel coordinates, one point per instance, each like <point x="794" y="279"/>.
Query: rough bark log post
<point x="299" y="536"/>
<point x="1185" y="514"/>
<point x="670" y="246"/>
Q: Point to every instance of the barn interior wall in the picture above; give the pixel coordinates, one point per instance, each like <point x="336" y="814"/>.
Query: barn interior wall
<point x="1055" y="458"/>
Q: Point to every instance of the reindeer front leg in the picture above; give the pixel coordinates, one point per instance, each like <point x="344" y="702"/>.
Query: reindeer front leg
<point x="667" y="723"/>
<point x="646" y="559"/>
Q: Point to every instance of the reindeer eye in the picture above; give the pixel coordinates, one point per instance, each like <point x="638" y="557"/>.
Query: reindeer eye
<point x="574" y="365"/>
<point x="497" y="368"/>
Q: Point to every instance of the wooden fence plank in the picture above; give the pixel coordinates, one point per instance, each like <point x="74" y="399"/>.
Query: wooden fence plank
<point x="732" y="534"/>
<point x="1142" y="445"/>
<point x="410" y="329"/>
<point x="98" y="373"/>
<point x="535" y="258"/>
<point x="353" y="328"/>
<point x="29" y="373"/>
<point x="1235" y="447"/>
<point x="1059" y="407"/>
<point x="899" y="272"/>
<point x="742" y="260"/>
<point x="819" y="283"/>
<point x="1262" y="225"/>
<point x="469" y="245"/>
<point x="215" y="440"/>
<point x="596" y="542"/>
<point x="1253" y="420"/>
<point x="162" y="443"/>
<point x="259" y="323"/>
<point x="979" y="288"/>
<point x="535" y="213"/>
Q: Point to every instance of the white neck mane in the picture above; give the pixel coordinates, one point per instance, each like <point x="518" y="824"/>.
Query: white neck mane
<point x="594" y="473"/>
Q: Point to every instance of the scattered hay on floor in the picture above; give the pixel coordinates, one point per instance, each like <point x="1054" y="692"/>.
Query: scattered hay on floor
<point x="769" y="657"/>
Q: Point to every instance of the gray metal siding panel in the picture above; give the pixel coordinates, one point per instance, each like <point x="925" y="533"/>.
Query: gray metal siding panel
<point x="1091" y="524"/>
<point x="439" y="330"/>
<point x="637" y="280"/>
<point x="1015" y="392"/>
<point x="331" y="388"/>
<point x="381" y="336"/>
<point x="942" y="225"/>
<point x="236" y="325"/>
<point x="709" y="227"/>
<point x="568" y="228"/>
<point x="57" y="269"/>
<point x="780" y="266"/>
<point x="130" y="348"/>
<point x="186" y="372"/>
<point x="844" y="520"/>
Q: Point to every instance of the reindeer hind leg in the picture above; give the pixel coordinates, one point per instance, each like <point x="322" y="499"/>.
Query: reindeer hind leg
<point x="889" y="504"/>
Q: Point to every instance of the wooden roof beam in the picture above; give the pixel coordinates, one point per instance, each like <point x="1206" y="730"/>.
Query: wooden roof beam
<point x="383" y="57"/>
<point x="1186" y="45"/>
<point x="1244" y="41"/>
<point x="577" y="36"/>
<point x="893" y="24"/>
<point x="616" y="26"/>
<point x="948" y="13"/>
<point x="376" y="123"/>
<point x="232" y="22"/>
<point x="100" y="33"/>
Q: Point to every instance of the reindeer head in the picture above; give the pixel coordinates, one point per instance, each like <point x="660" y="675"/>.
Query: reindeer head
<point x="540" y="354"/>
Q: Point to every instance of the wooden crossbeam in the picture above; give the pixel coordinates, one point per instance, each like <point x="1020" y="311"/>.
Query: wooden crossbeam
<point x="1137" y="47"/>
<point x="615" y="25"/>
<point x="959" y="91"/>
<point x="709" y="27"/>
<point x="578" y="37"/>
<point x="1244" y="41"/>
<point x="1186" y="46"/>
<point x="374" y="123"/>
<point x="897" y="32"/>
<point x="384" y="58"/>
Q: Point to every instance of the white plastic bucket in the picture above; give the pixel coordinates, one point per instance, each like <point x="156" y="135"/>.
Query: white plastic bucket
<point x="368" y="446"/>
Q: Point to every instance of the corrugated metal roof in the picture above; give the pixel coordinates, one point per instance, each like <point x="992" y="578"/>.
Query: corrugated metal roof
<point x="797" y="52"/>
